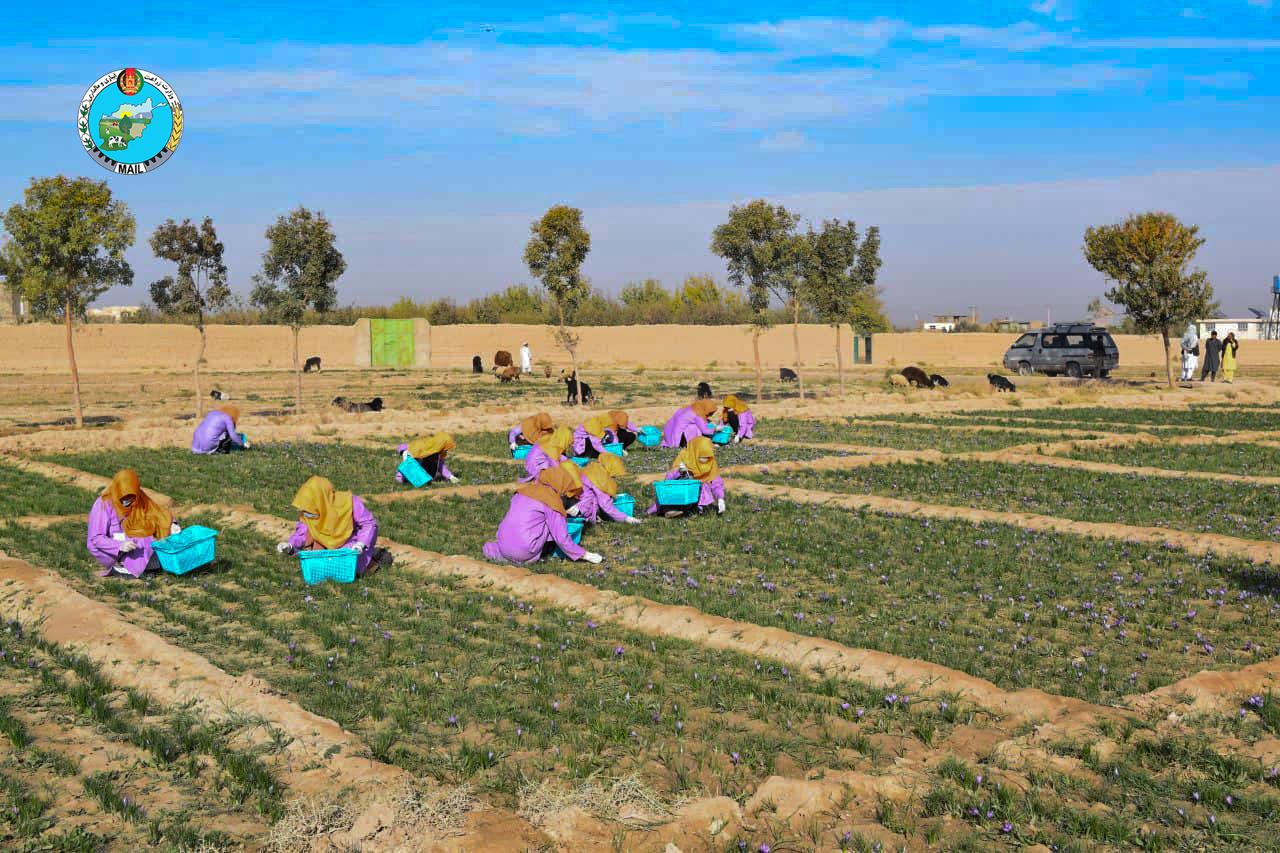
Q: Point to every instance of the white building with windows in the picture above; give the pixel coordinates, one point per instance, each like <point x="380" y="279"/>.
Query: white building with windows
<point x="1245" y="328"/>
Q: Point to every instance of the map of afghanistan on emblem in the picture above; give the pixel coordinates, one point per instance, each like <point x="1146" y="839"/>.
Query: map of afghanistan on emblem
<point x="130" y="121"/>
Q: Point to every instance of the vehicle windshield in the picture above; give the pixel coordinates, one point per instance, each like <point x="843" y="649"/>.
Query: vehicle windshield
<point x="1026" y="340"/>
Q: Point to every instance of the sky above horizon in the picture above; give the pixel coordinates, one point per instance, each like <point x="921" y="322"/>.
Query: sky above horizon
<point x="983" y="138"/>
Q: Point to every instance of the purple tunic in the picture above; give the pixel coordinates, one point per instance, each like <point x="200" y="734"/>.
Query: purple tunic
<point x="216" y="426"/>
<point x="746" y="425"/>
<point x="712" y="490"/>
<point x="527" y="528"/>
<point x="580" y="439"/>
<point x="516" y="435"/>
<point x="536" y="461"/>
<point x="686" y="424"/>
<point x="366" y="532"/>
<point x="444" y="469"/>
<point x="595" y="501"/>
<point x="104" y="525"/>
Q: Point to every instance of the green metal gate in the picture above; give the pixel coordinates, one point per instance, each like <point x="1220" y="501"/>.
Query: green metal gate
<point x="391" y="343"/>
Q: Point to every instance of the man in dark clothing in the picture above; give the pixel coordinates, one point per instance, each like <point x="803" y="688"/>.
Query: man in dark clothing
<point x="1212" y="358"/>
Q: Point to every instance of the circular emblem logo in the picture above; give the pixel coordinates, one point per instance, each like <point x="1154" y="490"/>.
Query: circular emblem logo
<point x="130" y="121"/>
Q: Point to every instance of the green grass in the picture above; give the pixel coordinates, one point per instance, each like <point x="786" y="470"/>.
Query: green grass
<point x="465" y="685"/>
<point x="1067" y="614"/>
<point x="1053" y="418"/>
<point x="267" y="476"/>
<point x="1195" y="419"/>
<point x="902" y="437"/>
<point x="25" y="493"/>
<point x="1232" y="509"/>
<point x="1233" y="458"/>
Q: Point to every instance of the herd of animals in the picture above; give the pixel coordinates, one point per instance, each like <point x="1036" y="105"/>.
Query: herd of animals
<point x="580" y="392"/>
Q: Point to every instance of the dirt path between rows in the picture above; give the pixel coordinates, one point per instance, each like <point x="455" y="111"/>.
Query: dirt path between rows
<point x="1022" y="458"/>
<point x="1193" y="543"/>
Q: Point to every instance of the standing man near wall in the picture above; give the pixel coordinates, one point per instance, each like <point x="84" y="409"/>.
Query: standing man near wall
<point x="526" y="358"/>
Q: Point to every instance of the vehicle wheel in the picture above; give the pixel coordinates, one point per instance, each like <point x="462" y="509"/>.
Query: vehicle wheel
<point x="1024" y="368"/>
<point x="1073" y="370"/>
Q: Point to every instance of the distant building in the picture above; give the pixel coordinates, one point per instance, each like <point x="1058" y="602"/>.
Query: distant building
<point x="1008" y="324"/>
<point x="12" y="308"/>
<point x="1245" y="329"/>
<point x="949" y="322"/>
<point x="111" y="313"/>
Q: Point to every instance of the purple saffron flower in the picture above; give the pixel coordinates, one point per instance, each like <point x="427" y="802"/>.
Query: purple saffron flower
<point x="1006" y="827"/>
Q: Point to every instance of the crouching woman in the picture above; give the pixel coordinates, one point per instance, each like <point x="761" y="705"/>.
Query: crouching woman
<point x="689" y="423"/>
<point x="329" y="519"/>
<point x="217" y="433"/>
<point x="531" y="430"/>
<point x="549" y="452"/>
<point x="698" y="462"/>
<point x="599" y="488"/>
<point x="739" y="418"/>
<point x="538" y="521"/>
<point x="123" y="523"/>
<point x="430" y="452"/>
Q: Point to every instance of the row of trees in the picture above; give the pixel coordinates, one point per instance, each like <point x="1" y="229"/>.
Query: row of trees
<point x="66" y="245"/>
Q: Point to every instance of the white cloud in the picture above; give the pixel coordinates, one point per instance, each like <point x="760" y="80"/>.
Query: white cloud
<point x="785" y="142"/>
<point x="1192" y="14"/>
<point x="1058" y="9"/>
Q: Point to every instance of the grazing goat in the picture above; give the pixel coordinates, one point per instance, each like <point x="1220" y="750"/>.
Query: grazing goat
<point x="786" y="374"/>
<point x="351" y="408"/>
<point x="312" y="365"/>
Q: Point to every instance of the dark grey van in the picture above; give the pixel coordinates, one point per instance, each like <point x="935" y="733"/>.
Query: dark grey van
<point x="1074" y="349"/>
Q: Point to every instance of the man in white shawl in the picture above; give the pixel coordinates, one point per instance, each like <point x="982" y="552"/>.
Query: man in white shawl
<point x="1190" y="352"/>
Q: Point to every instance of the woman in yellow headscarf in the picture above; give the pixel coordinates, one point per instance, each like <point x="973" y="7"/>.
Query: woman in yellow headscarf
<point x="530" y="430"/>
<point x="689" y="423"/>
<point x="600" y="487"/>
<point x="430" y="453"/>
<point x="218" y="432"/>
<point x="547" y="453"/>
<point x="698" y="462"/>
<point x="537" y="521"/>
<point x="329" y="519"/>
<point x="740" y="418"/>
<point x="123" y="523"/>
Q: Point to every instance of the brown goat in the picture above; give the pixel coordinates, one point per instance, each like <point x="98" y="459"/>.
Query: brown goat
<point x="511" y="373"/>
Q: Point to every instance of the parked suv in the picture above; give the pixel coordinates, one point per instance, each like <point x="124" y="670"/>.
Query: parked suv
<point x="1070" y="348"/>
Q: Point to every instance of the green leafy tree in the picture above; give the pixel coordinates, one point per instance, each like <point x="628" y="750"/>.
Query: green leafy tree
<point x="299" y="269"/>
<point x="558" y="245"/>
<point x="647" y="302"/>
<point x="1148" y="257"/>
<point x="66" y="248"/>
<point x="200" y="285"/>
<point x="763" y="255"/>
<point x="840" y="270"/>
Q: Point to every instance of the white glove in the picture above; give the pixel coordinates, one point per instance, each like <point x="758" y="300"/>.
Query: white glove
<point x="128" y="546"/>
<point x="720" y="505"/>
<point x="682" y="469"/>
<point x="245" y="444"/>
<point x="631" y="519"/>
<point x="404" y="454"/>
<point x="624" y="452"/>
<point x="453" y="478"/>
<point x="737" y="439"/>
<point x="592" y="557"/>
<point x="573" y="510"/>
<point x="358" y="547"/>
<point x="175" y="528"/>
<point x="284" y="548"/>
<point x="513" y="447"/>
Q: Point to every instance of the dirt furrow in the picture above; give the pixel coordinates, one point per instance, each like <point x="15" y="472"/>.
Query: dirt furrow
<point x="1023" y="458"/>
<point x="1194" y="543"/>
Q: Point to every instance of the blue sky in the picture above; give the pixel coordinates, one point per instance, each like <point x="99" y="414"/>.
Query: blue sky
<point x="982" y="137"/>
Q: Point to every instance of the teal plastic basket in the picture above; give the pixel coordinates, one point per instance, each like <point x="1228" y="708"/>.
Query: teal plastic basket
<point x="723" y="435"/>
<point x="190" y="548"/>
<point x="521" y="451"/>
<point x="677" y="492"/>
<point x="576" y="526"/>
<point x="649" y="436"/>
<point x="581" y="461"/>
<point x="614" y="447"/>
<point x="244" y="439"/>
<point x="625" y="503"/>
<point x="336" y="565"/>
<point x="413" y="471"/>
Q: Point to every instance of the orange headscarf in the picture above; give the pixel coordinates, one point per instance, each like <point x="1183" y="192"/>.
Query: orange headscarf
<point x="233" y="411"/>
<point x="620" y="418"/>
<point x="704" y="408"/>
<point x="333" y="525"/>
<point x="699" y="459"/>
<point x="601" y="473"/>
<point x="558" y="443"/>
<point x="535" y="427"/>
<point x="597" y="424"/>
<point x="441" y="442"/>
<point x="146" y="517"/>
<point x="553" y="485"/>
<point x="733" y="404"/>
<point x="574" y="472"/>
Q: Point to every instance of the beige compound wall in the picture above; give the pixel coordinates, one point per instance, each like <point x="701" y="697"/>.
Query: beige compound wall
<point x="40" y="348"/>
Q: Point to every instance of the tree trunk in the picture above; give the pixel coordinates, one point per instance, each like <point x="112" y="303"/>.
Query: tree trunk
<point x="1168" y="369"/>
<point x="755" y="344"/>
<point x="199" y="361"/>
<point x="795" y="342"/>
<point x="573" y="353"/>
<point x="839" y="359"/>
<point x="297" y="373"/>
<point x="75" y="372"/>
